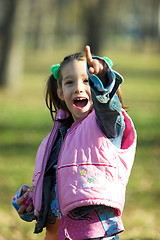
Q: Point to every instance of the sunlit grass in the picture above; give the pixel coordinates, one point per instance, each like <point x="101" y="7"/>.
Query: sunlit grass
<point x="25" y="121"/>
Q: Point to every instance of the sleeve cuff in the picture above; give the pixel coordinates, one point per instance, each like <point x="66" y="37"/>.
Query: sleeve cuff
<point x="97" y="82"/>
<point x="113" y="78"/>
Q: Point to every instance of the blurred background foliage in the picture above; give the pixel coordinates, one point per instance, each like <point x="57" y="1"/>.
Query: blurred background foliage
<point x="34" y="35"/>
<point x="46" y="25"/>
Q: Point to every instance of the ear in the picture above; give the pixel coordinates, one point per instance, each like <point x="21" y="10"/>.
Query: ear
<point x="60" y="93"/>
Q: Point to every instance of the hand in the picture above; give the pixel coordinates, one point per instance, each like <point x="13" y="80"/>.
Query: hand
<point x="20" y="202"/>
<point x="95" y="66"/>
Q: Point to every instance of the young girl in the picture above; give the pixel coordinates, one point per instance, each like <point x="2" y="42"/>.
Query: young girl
<point x="82" y="167"/>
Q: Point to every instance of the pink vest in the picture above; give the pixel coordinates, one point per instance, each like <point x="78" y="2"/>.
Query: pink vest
<point x="42" y="157"/>
<point x="91" y="170"/>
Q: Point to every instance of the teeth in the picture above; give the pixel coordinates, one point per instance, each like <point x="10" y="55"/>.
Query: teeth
<point x="80" y="99"/>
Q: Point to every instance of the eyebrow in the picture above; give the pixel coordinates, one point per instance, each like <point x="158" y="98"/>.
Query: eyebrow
<point x="72" y="76"/>
<point x="69" y="76"/>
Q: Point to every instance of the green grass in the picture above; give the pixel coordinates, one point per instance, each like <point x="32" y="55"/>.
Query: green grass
<point x="25" y="121"/>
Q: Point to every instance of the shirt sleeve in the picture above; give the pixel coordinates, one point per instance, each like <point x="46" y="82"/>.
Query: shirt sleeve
<point x="106" y="103"/>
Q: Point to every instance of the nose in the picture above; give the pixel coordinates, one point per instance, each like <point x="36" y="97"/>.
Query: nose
<point x="79" y="87"/>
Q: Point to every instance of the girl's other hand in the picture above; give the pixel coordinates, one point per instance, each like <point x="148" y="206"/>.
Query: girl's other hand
<point x="20" y="202"/>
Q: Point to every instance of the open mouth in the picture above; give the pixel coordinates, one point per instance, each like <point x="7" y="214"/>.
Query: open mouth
<point x="80" y="102"/>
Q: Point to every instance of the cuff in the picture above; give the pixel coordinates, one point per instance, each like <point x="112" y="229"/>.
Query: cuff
<point x="98" y="83"/>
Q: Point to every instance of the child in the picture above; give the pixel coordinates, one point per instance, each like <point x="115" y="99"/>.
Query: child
<point x="79" y="186"/>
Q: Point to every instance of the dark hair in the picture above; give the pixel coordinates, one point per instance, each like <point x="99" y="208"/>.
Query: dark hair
<point x="53" y="102"/>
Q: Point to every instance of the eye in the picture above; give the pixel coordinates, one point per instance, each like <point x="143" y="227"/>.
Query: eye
<point x="68" y="82"/>
<point x="86" y="80"/>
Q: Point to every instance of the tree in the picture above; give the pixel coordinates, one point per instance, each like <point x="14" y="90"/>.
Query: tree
<point x="95" y="21"/>
<point x="12" y="38"/>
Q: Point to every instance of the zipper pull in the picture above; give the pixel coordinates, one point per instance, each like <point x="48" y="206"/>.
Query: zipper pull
<point x="59" y="214"/>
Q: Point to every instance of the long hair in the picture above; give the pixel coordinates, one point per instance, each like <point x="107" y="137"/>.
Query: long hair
<point x="53" y="102"/>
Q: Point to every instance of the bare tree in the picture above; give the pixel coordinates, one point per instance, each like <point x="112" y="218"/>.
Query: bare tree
<point x="13" y="37"/>
<point x="95" y="22"/>
<point x="8" y="10"/>
<point x="41" y="24"/>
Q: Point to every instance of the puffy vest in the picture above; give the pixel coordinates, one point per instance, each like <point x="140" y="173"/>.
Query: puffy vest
<point x="91" y="170"/>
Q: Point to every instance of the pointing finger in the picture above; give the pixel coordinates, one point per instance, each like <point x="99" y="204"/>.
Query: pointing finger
<point x="88" y="54"/>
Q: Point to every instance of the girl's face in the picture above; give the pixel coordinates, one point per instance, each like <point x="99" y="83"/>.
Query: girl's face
<point x="75" y="90"/>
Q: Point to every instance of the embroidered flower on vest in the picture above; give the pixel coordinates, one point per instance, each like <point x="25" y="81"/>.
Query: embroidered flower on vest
<point x="82" y="172"/>
<point x="91" y="180"/>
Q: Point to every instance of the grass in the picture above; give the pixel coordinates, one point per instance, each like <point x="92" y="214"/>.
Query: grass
<point x="25" y="121"/>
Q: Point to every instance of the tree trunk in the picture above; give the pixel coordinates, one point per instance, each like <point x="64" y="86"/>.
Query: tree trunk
<point x="6" y="32"/>
<point x="94" y="15"/>
<point x="13" y="43"/>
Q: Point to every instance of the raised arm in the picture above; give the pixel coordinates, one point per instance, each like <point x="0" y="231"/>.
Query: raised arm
<point x="104" y="83"/>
